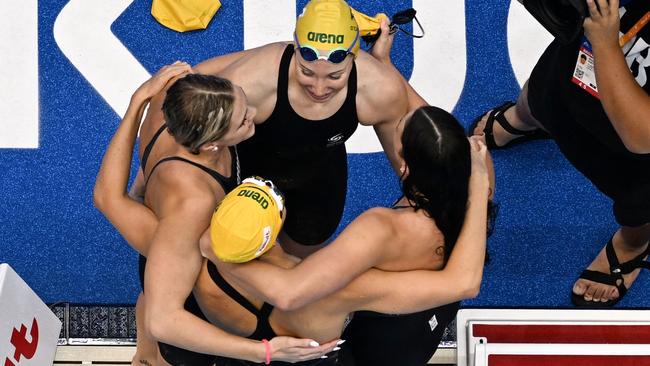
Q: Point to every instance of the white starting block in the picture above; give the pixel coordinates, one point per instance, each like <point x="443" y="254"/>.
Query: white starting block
<point x="29" y="331"/>
<point x="504" y="337"/>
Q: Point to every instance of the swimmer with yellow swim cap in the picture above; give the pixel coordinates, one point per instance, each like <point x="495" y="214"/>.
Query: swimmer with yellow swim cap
<point x="327" y="30"/>
<point x="315" y="298"/>
<point x="302" y="113"/>
<point x="311" y="94"/>
<point x="237" y="240"/>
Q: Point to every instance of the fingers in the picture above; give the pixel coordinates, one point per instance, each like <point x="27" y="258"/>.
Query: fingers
<point x="381" y="48"/>
<point x="293" y="349"/>
<point x="386" y="34"/>
<point x="307" y="343"/>
<point x="602" y="8"/>
<point x="602" y="25"/>
<point x="593" y="9"/>
<point x="168" y="73"/>
<point x="473" y="143"/>
<point x="384" y="26"/>
<point x="477" y="144"/>
<point x="176" y="68"/>
<point x="332" y="345"/>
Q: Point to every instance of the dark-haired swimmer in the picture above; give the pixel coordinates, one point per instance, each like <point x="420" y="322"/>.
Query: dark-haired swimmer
<point x="407" y="237"/>
<point x="190" y="163"/>
<point x="419" y="232"/>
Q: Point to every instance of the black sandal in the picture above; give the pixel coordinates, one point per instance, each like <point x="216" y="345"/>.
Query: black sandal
<point x="498" y="114"/>
<point x="613" y="278"/>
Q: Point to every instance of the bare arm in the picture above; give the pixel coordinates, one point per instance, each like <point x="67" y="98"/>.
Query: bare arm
<point x="381" y="102"/>
<point x="324" y="272"/>
<point x="385" y="131"/>
<point x="138" y="225"/>
<point x="381" y="51"/>
<point x="110" y="195"/>
<point x="627" y="105"/>
<point x="137" y="188"/>
<point x="403" y="99"/>
<point x="173" y="265"/>
<point x="173" y="259"/>
<point x="412" y="291"/>
<point x="215" y="65"/>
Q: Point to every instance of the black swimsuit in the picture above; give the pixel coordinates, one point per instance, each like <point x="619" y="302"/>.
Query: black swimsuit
<point x="263" y="329"/>
<point x="386" y="340"/>
<point x="306" y="159"/>
<point x="173" y="355"/>
<point x="228" y="184"/>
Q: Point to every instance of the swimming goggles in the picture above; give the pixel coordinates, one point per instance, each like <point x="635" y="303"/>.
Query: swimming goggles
<point x="400" y="18"/>
<point x="275" y="193"/>
<point x="335" y="56"/>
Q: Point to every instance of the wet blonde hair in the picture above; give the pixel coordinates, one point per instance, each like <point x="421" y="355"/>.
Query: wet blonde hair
<point x="198" y="109"/>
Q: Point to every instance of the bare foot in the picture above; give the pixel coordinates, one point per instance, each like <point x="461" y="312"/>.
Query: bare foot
<point x="598" y="292"/>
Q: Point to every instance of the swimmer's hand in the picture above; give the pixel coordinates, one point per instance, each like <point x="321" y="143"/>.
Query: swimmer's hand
<point x="294" y="350"/>
<point x="381" y="48"/>
<point x="479" y="179"/>
<point x="161" y="79"/>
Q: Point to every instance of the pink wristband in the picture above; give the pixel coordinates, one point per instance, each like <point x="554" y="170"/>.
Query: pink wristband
<point x="267" y="345"/>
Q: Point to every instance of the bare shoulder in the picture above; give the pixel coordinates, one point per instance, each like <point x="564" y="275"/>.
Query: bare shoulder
<point x="257" y="75"/>
<point x="178" y="181"/>
<point x="258" y="61"/>
<point x="374" y="75"/>
<point x="377" y="221"/>
<point x="380" y="91"/>
<point x="397" y="223"/>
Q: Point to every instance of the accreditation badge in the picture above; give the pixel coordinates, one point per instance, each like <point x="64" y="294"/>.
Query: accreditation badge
<point x="584" y="74"/>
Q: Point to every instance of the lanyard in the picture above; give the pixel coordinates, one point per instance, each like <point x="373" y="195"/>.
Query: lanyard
<point x="634" y="30"/>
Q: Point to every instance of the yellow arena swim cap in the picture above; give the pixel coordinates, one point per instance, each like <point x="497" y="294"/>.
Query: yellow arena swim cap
<point x="327" y="25"/>
<point x="247" y="222"/>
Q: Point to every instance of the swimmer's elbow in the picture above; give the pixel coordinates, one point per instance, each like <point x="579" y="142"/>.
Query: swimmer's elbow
<point x="105" y="204"/>
<point x="293" y="297"/>
<point x="157" y="326"/>
<point x="289" y="295"/>
<point x="287" y="302"/>
<point x="100" y="200"/>
<point x="637" y="146"/>
<point x="472" y="292"/>
<point x="470" y="288"/>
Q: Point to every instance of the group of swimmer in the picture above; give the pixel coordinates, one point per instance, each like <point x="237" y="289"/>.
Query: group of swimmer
<point x="248" y="148"/>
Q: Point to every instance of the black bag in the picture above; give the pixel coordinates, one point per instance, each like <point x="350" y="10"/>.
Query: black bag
<point x="562" y="18"/>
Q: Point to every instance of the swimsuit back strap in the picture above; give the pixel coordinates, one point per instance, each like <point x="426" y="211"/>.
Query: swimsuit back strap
<point x="147" y="149"/>
<point x="230" y="291"/>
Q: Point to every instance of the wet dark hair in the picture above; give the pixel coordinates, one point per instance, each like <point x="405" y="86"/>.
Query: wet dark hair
<point x="437" y="153"/>
<point x="198" y="108"/>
